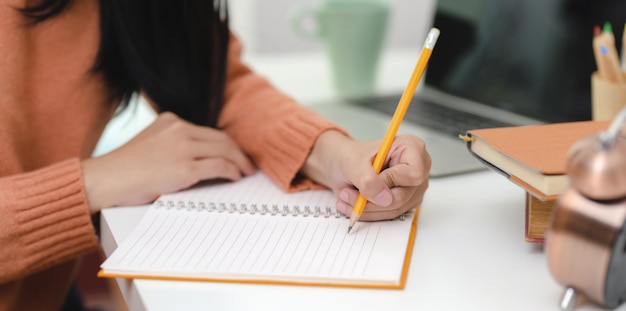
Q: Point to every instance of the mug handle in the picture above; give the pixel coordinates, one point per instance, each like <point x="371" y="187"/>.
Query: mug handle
<point x="297" y="18"/>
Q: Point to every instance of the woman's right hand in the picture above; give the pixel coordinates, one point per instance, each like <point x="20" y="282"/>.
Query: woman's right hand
<point x="169" y="155"/>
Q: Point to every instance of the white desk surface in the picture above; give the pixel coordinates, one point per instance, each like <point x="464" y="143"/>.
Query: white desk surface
<point x="469" y="252"/>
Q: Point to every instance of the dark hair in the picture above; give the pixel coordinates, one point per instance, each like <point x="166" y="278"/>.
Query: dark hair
<point x="174" y="51"/>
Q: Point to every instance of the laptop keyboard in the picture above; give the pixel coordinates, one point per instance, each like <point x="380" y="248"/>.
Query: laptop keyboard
<point x="425" y="113"/>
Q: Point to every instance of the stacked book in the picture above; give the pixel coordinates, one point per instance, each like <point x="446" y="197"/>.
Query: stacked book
<point x="533" y="157"/>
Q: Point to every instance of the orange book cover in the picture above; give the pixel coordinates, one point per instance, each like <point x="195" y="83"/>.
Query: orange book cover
<point x="534" y="156"/>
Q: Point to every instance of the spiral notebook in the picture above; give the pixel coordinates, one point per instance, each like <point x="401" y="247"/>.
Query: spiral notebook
<point x="251" y="231"/>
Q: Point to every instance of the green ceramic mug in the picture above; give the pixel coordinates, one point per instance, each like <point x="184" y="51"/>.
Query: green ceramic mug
<point x="353" y="32"/>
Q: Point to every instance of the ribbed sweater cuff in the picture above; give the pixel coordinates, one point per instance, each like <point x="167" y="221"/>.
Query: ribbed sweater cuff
<point x="290" y="147"/>
<point x="52" y="214"/>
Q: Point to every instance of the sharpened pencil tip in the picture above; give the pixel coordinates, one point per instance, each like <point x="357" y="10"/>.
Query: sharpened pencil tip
<point x="349" y="228"/>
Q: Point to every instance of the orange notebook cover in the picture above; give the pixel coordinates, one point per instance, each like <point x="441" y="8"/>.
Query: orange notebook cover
<point x="534" y="156"/>
<point x="250" y="231"/>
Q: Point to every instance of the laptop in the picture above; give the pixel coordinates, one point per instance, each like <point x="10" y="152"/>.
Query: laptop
<point x="496" y="63"/>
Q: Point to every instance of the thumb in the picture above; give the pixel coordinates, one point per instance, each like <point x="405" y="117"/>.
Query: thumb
<point x="375" y="190"/>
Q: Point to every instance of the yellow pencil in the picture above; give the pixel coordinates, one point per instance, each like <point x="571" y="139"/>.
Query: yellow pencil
<point x="398" y="115"/>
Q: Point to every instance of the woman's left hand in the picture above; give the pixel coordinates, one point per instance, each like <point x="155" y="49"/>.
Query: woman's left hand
<point x="345" y="166"/>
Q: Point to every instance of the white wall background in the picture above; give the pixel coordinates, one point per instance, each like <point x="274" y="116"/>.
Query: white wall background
<point x="263" y="25"/>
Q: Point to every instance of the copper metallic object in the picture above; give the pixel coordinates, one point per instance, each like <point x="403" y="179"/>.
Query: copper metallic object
<point x="586" y="238"/>
<point x="598" y="170"/>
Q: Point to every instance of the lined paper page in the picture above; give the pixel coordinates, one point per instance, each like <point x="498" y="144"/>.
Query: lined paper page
<point x="188" y="235"/>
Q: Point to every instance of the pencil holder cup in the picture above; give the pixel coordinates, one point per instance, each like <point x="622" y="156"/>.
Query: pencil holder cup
<point x="353" y="33"/>
<point x="607" y="98"/>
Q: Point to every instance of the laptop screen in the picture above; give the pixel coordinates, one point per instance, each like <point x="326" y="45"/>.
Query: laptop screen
<point x="532" y="58"/>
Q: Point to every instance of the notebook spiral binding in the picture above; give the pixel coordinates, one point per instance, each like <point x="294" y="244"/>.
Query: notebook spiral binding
<point x="223" y="207"/>
<point x="243" y="208"/>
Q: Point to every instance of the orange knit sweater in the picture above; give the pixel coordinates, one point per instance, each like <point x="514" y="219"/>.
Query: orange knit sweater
<point x="52" y="113"/>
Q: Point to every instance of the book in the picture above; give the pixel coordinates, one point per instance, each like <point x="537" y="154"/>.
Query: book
<point x="534" y="156"/>
<point x="251" y="231"/>
<point x="537" y="218"/>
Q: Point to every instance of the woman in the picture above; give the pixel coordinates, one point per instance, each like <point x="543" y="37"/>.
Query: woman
<point x="65" y="66"/>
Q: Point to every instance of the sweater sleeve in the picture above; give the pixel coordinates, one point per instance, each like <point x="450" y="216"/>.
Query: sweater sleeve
<point x="45" y="220"/>
<point x="275" y="131"/>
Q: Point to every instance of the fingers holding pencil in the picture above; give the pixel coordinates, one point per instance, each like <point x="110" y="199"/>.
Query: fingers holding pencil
<point x="398" y="116"/>
<point x="398" y="188"/>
